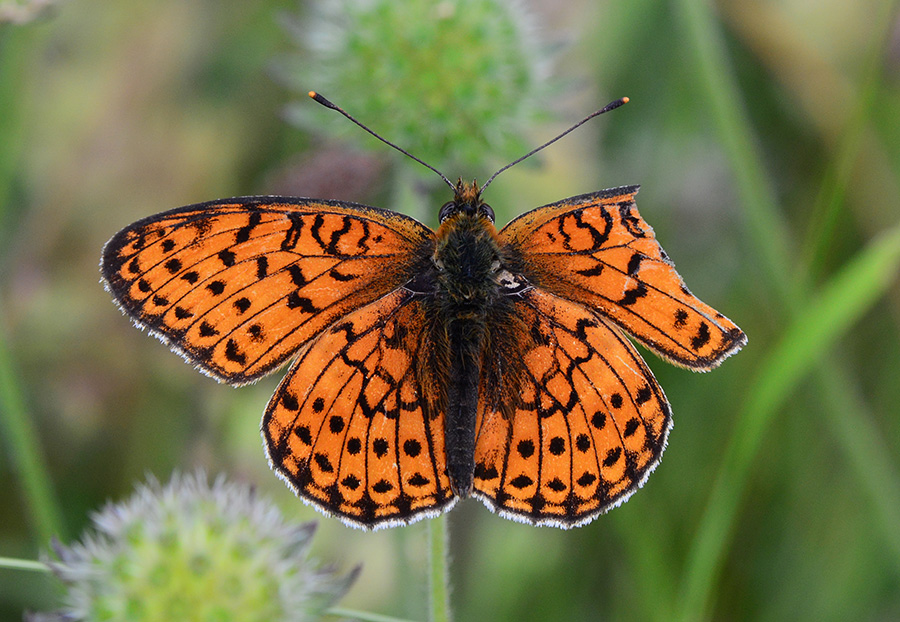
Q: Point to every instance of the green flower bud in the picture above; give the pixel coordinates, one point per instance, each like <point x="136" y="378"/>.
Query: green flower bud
<point x="449" y="81"/>
<point x="193" y="552"/>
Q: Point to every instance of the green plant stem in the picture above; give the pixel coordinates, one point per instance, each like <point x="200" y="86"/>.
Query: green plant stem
<point x="11" y="563"/>
<point x="25" y="454"/>
<point x="438" y="578"/>
<point x="363" y="616"/>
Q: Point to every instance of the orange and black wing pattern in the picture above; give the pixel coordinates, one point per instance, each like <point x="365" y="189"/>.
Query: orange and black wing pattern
<point x="596" y="249"/>
<point x="576" y="426"/>
<point x="570" y="420"/>
<point x="580" y="430"/>
<point x="238" y="286"/>
<point x="351" y="427"/>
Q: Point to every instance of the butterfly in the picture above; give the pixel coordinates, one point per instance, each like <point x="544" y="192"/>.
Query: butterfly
<point x="430" y="366"/>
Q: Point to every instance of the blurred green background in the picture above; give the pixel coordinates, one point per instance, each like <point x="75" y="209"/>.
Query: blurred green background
<point x="766" y="138"/>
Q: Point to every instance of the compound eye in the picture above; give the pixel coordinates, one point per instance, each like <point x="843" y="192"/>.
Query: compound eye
<point x="488" y="211"/>
<point x="447" y="210"/>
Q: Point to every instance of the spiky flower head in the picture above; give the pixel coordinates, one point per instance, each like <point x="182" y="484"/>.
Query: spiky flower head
<point x="190" y="551"/>
<point x="450" y="81"/>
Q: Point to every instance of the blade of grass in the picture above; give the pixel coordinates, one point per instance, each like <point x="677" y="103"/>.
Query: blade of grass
<point x="852" y="292"/>
<point x="24" y="453"/>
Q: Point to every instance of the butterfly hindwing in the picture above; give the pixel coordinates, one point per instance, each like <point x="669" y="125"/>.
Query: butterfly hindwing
<point x="597" y="250"/>
<point x="350" y="429"/>
<point x="588" y="424"/>
<point x="238" y="285"/>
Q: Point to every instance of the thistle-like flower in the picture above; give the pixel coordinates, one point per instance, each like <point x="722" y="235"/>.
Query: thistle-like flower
<point x="449" y="81"/>
<point x="191" y="551"/>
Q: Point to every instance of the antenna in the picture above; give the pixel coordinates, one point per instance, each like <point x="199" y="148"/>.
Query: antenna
<point x="329" y="104"/>
<point x="607" y="108"/>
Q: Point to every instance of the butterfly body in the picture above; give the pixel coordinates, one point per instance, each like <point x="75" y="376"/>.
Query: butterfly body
<point x="467" y="296"/>
<point x="427" y="366"/>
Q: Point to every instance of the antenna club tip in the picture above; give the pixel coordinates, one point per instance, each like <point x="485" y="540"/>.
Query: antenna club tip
<point x="317" y="97"/>
<point x="625" y="100"/>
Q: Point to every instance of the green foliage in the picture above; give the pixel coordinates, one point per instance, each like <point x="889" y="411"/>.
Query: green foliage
<point x="765" y="140"/>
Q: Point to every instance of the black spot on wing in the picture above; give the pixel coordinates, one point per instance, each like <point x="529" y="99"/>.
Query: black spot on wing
<point x="596" y="270"/>
<point x="262" y="267"/>
<point x="296" y="274"/>
<point x="634" y="264"/>
<point x="702" y="337"/>
<point x="292" y="235"/>
<point x="191" y="276"/>
<point x="631" y="295"/>
<point x="233" y="353"/>
<point x="173" y="265"/>
<point x="227" y="257"/>
<point x="296" y="301"/>
<point x="630" y="221"/>
<point x="243" y="234"/>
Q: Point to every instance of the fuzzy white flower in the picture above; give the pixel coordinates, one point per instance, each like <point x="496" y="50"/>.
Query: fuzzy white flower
<point x="190" y="551"/>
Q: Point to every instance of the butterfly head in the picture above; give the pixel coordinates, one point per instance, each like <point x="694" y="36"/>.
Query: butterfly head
<point x="466" y="200"/>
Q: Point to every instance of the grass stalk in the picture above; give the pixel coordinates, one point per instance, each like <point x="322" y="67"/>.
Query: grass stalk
<point x="25" y="454"/>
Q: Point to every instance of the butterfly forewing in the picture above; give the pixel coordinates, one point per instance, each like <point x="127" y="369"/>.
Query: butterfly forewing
<point x="349" y="427"/>
<point x="238" y="285"/>
<point x="588" y="423"/>
<point x="597" y="250"/>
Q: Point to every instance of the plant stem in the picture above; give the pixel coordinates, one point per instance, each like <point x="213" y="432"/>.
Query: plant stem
<point x="438" y="580"/>
<point x="362" y="616"/>
<point x="11" y="563"/>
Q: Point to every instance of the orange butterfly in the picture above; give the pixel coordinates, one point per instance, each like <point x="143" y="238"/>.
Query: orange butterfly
<point x="431" y="366"/>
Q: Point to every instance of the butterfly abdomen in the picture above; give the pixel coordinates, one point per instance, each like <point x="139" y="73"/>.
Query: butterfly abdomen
<point x="466" y="255"/>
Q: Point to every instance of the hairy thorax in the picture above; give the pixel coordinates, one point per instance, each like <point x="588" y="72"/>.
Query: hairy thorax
<point x="467" y="257"/>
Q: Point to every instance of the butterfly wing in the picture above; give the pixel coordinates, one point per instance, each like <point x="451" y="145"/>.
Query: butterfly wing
<point x="597" y="250"/>
<point x="237" y="286"/>
<point x="350" y="428"/>
<point x="579" y="429"/>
